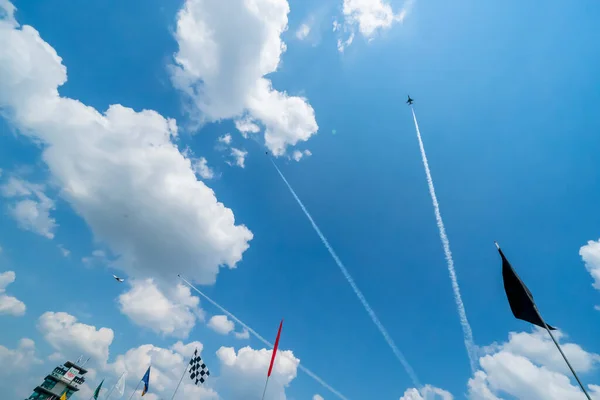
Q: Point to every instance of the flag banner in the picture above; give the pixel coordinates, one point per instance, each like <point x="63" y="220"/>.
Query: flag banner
<point x="97" y="391"/>
<point x="121" y="384"/>
<point x="519" y="297"/>
<point x="275" y="349"/>
<point x="198" y="370"/>
<point x="146" y="380"/>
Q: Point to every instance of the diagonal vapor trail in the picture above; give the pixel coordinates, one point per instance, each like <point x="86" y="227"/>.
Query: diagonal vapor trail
<point x="361" y="297"/>
<point x="263" y="340"/>
<point x="466" y="327"/>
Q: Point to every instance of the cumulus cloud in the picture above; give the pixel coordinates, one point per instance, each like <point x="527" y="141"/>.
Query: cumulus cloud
<point x="244" y="334"/>
<point x="246" y="126"/>
<point x="368" y="17"/>
<point x="528" y="366"/>
<point x="172" y="314"/>
<point x="317" y="397"/>
<point x="590" y="253"/>
<point x="221" y="324"/>
<point x="428" y="392"/>
<point x="9" y="305"/>
<point x="243" y="372"/>
<point x="19" y="374"/>
<point x="71" y="338"/>
<point x="225" y="51"/>
<point x="119" y="170"/>
<point x="32" y="207"/>
<point x="20" y="359"/>
<point x="167" y="367"/>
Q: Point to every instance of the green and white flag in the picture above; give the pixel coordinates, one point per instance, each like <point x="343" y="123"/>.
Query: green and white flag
<point x="97" y="391"/>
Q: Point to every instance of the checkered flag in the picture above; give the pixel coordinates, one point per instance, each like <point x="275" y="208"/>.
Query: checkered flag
<point x="198" y="370"/>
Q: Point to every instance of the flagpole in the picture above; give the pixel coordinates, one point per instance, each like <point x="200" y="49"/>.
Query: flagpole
<point x="265" y="391"/>
<point x="114" y="386"/>
<point x="181" y="379"/>
<point x="562" y="354"/>
<point x="135" y="390"/>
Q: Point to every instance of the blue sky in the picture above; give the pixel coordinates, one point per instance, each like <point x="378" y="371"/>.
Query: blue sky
<point x="506" y="99"/>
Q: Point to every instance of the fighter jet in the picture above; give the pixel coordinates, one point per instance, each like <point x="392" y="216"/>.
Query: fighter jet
<point x="118" y="279"/>
<point x="409" y="101"/>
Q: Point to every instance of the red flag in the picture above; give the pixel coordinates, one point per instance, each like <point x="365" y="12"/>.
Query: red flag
<point x="275" y="349"/>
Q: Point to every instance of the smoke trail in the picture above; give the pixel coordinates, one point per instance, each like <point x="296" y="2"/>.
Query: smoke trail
<point x="466" y="327"/>
<point x="355" y="288"/>
<point x="265" y="341"/>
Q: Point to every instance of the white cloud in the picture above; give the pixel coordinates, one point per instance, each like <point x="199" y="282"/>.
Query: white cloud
<point x="297" y="154"/>
<point x="242" y="373"/>
<point x="428" y="392"/>
<point x="240" y="156"/>
<point x="201" y="168"/>
<point x="225" y="51"/>
<point x="72" y="338"/>
<point x="590" y="253"/>
<point x="317" y="397"/>
<point x="244" y="334"/>
<point x="368" y="17"/>
<point x="303" y="31"/>
<point x="225" y="139"/>
<point x="539" y="348"/>
<point x="32" y="210"/>
<point x="528" y="366"/>
<point x="173" y="313"/>
<point x="19" y="374"/>
<point x="246" y="126"/>
<point x="120" y="171"/>
<point x="19" y="359"/>
<point x="167" y="367"/>
<point x="8" y="304"/>
<point x="220" y="324"/>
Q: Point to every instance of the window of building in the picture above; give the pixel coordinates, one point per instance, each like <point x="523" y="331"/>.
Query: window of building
<point x="48" y="383"/>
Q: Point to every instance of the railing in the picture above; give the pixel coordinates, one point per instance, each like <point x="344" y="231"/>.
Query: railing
<point x="78" y="380"/>
<point x="59" y="372"/>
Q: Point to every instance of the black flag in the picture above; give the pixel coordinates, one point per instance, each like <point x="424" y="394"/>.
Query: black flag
<point x="519" y="297"/>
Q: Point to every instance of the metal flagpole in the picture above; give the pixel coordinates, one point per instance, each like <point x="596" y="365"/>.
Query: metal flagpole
<point x="561" y="353"/>
<point x="135" y="390"/>
<point x="182" y="375"/>
<point x="114" y="386"/>
<point x="265" y="391"/>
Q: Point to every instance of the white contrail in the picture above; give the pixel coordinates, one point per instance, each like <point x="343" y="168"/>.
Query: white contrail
<point x="265" y="341"/>
<point x="467" y="332"/>
<point x="361" y="297"/>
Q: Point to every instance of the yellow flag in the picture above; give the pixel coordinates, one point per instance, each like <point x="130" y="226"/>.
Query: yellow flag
<point x="64" y="396"/>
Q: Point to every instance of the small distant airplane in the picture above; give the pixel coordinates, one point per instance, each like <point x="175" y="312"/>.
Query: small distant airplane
<point x="409" y="101"/>
<point x="118" y="279"/>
